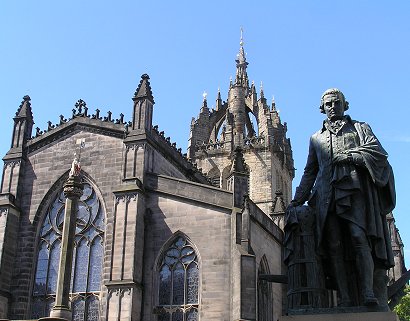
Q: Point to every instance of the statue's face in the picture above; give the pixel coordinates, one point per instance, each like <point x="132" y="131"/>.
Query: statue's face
<point x="333" y="106"/>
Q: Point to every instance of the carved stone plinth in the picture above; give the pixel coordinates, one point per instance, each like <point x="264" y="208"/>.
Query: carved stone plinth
<point x="365" y="316"/>
<point x="73" y="187"/>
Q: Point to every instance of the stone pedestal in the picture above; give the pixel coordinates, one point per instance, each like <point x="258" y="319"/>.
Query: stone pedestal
<point x="365" y="316"/>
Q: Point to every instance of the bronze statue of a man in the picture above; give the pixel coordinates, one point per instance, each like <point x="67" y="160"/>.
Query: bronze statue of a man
<point x="350" y="184"/>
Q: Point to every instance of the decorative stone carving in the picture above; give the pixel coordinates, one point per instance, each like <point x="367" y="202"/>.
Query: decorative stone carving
<point x="12" y="163"/>
<point x="126" y="198"/>
<point x="4" y="211"/>
<point x="135" y="146"/>
<point x="73" y="187"/>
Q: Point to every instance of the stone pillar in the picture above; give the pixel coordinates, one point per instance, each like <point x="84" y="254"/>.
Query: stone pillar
<point x="73" y="189"/>
<point x="9" y="221"/>
<point x="126" y="246"/>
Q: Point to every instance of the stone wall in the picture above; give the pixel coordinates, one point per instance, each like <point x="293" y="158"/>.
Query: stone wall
<point x="101" y="160"/>
<point x="208" y="228"/>
<point x="265" y="244"/>
<point x="267" y="174"/>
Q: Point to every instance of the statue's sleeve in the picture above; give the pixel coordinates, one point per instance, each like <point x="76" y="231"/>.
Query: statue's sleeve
<point x="373" y="154"/>
<point x="309" y="175"/>
<point x="378" y="167"/>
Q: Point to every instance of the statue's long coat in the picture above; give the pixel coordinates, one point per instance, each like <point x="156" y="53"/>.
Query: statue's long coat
<point x="375" y="181"/>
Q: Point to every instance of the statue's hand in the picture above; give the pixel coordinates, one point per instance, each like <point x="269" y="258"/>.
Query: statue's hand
<point x="349" y="158"/>
<point x="342" y="159"/>
<point x="357" y="159"/>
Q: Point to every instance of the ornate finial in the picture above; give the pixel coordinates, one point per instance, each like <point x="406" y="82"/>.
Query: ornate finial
<point x="261" y="92"/>
<point x="80" y="104"/>
<point x="24" y="109"/>
<point x="50" y="126"/>
<point x="241" y="56"/>
<point x="204" y="108"/>
<point x="144" y="89"/>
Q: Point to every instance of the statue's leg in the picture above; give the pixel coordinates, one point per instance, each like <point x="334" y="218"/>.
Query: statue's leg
<point x="333" y="239"/>
<point x="364" y="264"/>
<point x="380" y="281"/>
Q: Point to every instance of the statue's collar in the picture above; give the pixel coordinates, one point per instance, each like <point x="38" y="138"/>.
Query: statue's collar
<point x="327" y="125"/>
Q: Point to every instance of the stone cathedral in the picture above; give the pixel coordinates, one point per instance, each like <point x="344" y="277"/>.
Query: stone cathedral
<point x="159" y="234"/>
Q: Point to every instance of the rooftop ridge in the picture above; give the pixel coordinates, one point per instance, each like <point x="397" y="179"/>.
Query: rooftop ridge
<point x="173" y="145"/>
<point x="80" y="110"/>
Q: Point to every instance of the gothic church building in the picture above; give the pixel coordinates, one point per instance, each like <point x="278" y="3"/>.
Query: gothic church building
<point x="160" y="235"/>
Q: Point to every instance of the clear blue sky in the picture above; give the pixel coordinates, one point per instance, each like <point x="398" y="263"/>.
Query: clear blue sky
<point x="58" y="52"/>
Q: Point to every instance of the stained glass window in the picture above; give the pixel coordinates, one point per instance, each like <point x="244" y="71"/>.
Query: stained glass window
<point x="87" y="258"/>
<point x="178" y="280"/>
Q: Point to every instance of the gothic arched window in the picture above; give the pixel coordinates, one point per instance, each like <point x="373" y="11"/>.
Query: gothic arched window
<point x="87" y="257"/>
<point x="265" y="297"/>
<point x="178" y="283"/>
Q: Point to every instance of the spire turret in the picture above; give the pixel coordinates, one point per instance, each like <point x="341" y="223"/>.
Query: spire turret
<point x="218" y="104"/>
<point x="144" y="90"/>
<point x="143" y="106"/>
<point x="14" y="160"/>
<point x="273" y="104"/>
<point x="204" y="108"/>
<point x="25" y="108"/>
<point x="262" y="94"/>
<point x="23" y="125"/>
<point x="241" y="64"/>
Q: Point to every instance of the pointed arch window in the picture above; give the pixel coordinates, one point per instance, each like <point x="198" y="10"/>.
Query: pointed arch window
<point x="265" y="297"/>
<point x="178" y="283"/>
<point x="87" y="257"/>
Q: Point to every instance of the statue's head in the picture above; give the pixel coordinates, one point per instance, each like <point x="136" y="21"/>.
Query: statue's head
<point x="333" y="103"/>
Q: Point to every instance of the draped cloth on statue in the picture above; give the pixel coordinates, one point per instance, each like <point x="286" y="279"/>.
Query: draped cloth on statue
<point x="375" y="184"/>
